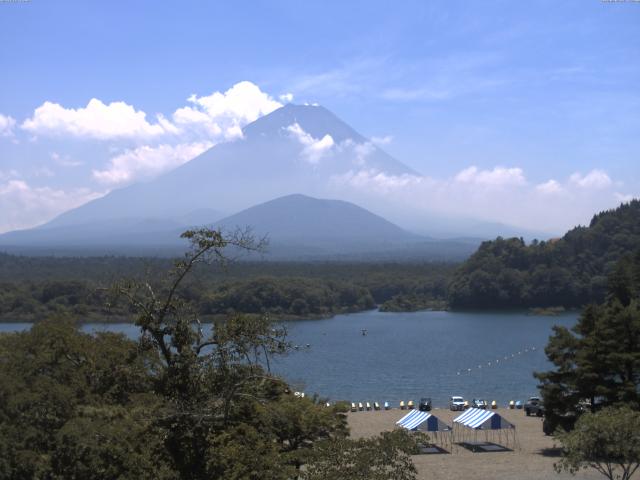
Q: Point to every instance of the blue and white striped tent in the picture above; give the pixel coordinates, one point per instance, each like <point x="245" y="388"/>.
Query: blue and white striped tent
<point x="487" y="421"/>
<point x="426" y="422"/>
<point x="480" y="419"/>
<point x="423" y="421"/>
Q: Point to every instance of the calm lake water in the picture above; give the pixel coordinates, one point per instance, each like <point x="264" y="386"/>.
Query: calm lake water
<point x="410" y="355"/>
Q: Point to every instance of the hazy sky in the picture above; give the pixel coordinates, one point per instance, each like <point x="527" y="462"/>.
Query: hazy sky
<point x="527" y="105"/>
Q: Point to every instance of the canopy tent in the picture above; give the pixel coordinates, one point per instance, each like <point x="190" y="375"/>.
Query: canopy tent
<point x="426" y="422"/>
<point x="423" y="421"/>
<point x="488" y="421"/>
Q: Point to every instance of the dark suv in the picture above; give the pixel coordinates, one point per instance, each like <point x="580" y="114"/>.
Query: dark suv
<point x="425" y="404"/>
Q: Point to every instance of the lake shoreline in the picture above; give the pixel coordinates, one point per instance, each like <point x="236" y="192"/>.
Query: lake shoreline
<point x="405" y="356"/>
<point x="210" y="319"/>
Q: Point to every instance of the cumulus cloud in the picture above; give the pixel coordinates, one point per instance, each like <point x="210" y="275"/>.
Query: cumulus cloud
<point x="97" y="120"/>
<point x="553" y="206"/>
<point x="314" y="149"/>
<point x="386" y="140"/>
<point x="224" y="114"/>
<point x="6" y="125"/>
<point x="357" y="151"/>
<point x="595" y="179"/>
<point x="625" y="197"/>
<point x="148" y="161"/>
<point x="25" y="206"/>
<point x="375" y="180"/>
<point x="5" y="175"/>
<point x="65" y="160"/>
<point x="550" y="187"/>
<point x="286" y="97"/>
<point x="497" y="177"/>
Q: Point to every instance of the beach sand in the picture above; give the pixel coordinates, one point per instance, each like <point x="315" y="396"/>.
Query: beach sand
<point x="533" y="458"/>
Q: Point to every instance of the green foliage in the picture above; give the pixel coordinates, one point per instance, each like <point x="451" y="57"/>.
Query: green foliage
<point x="568" y="272"/>
<point x="34" y="288"/>
<point x="176" y="404"/>
<point x="387" y="456"/>
<point x="412" y="303"/>
<point x="598" y="361"/>
<point x="53" y="375"/>
<point x="607" y="441"/>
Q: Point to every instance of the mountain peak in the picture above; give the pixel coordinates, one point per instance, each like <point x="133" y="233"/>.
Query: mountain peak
<point x="315" y="120"/>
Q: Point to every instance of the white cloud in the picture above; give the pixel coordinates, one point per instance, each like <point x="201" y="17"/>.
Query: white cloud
<point x="25" y="206"/>
<point x="148" y="161"/>
<point x="552" y="206"/>
<point x="550" y="187"/>
<point x="498" y="177"/>
<point x="44" y="171"/>
<point x="6" y="125"/>
<point x="624" y="198"/>
<point x="372" y="179"/>
<point x="595" y="179"/>
<point x="97" y="120"/>
<point x="358" y="151"/>
<point x="5" y="175"/>
<point x="314" y="149"/>
<point x="65" y="160"/>
<point x="286" y="97"/>
<point x="386" y="140"/>
<point x="224" y="114"/>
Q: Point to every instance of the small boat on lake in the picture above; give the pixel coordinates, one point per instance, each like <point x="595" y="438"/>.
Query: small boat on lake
<point x="376" y="406"/>
<point x="360" y="406"/>
<point x="354" y="407"/>
<point x="402" y="407"/>
<point x="387" y="406"/>
<point x="410" y="405"/>
<point x="368" y="406"/>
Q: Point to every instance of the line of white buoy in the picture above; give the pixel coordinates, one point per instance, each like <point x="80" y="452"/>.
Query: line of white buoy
<point x="496" y="362"/>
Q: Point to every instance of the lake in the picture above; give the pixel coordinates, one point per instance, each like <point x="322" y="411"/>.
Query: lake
<point x="406" y="356"/>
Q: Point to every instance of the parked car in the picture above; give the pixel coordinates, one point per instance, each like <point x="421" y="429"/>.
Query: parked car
<point x="456" y="403"/>
<point x="479" y="403"/>
<point x="534" y="407"/>
<point x="425" y="404"/>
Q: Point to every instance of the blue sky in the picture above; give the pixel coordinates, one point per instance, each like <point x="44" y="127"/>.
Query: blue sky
<point x="549" y="88"/>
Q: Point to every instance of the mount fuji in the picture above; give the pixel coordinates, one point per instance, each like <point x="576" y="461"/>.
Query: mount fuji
<point x="296" y="149"/>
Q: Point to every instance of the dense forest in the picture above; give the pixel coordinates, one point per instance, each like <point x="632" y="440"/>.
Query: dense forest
<point x="32" y="288"/>
<point x="505" y="273"/>
<point x="571" y="271"/>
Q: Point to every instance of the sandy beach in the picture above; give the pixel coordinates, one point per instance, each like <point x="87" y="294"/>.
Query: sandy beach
<point x="533" y="458"/>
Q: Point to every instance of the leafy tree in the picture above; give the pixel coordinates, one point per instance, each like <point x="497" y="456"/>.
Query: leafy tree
<point x="51" y="376"/>
<point x="607" y="441"/>
<point x="387" y="456"/>
<point x="177" y="404"/>
<point x="598" y="360"/>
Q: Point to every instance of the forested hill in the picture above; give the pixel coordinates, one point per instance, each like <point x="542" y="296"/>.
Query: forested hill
<point x="569" y="272"/>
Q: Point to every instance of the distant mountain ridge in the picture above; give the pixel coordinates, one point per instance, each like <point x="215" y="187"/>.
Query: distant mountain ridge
<point x="298" y="227"/>
<point x="299" y="217"/>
